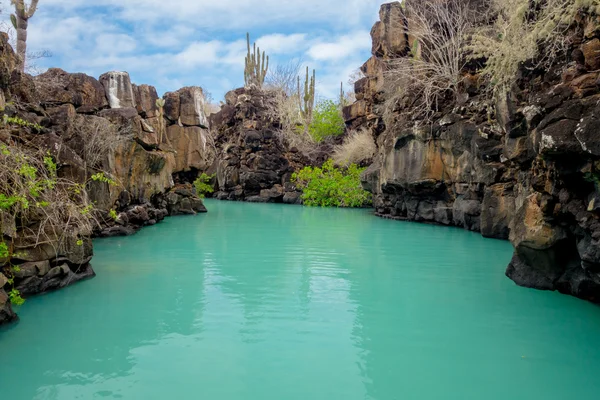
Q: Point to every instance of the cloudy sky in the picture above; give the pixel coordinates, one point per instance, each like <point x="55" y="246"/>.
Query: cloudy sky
<point x="176" y="43"/>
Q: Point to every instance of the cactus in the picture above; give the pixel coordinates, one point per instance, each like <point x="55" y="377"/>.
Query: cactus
<point x="20" y="20"/>
<point x="307" y="101"/>
<point x="255" y="71"/>
<point x="342" y="95"/>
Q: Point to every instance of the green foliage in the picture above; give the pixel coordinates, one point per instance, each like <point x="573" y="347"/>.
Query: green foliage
<point x="202" y="185"/>
<point x="4" y="253"/>
<point x="330" y="186"/>
<point x="101" y="177"/>
<point x="15" y="297"/>
<point x="21" y="122"/>
<point x="327" y="121"/>
<point x="113" y="214"/>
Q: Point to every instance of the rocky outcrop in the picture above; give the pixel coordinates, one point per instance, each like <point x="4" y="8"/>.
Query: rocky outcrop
<point x="253" y="163"/>
<point x="89" y="125"/>
<point x="118" y="88"/>
<point x="529" y="175"/>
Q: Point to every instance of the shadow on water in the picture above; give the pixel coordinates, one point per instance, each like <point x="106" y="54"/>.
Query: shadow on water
<point x="274" y="301"/>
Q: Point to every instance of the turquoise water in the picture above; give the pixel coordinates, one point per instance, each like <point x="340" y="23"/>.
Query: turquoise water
<point x="274" y="302"/>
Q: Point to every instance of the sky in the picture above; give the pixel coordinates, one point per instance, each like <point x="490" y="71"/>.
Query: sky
<point x="176" y="43"/>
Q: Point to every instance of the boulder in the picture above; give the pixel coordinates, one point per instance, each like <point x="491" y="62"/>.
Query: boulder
<point x="591" y="53"/>
<point x="56" y="87"/>
<point x="186" y="106"/>
<point x="145" y="100"/>
<point x="118" y="89"/>
<point x="389" y="34"/>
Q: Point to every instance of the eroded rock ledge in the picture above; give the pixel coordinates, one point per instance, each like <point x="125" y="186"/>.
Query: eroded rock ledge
<point x="530" y="175"/>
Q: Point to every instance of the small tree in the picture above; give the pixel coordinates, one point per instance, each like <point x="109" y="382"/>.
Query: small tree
<point x="327" y="121"/>
<point x="255" y="70"/>
<point x="20" y="21"/>
<point x="283" y="77"/>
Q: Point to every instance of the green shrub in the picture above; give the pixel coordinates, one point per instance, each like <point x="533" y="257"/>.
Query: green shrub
<point x="203" y="186"/>
<point x="327" y="121"/>
<point x="330" y="186"/>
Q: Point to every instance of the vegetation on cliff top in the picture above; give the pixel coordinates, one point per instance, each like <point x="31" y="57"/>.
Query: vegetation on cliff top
<point x="449" y="42"/>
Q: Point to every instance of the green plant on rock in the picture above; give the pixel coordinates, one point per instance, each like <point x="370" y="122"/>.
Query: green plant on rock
<point x="327" y="121"/>
<point x="203" y="186"/>
<point x="256" y="66"/>
<point x="330" y="186"/>
<point x="17" y="121"/>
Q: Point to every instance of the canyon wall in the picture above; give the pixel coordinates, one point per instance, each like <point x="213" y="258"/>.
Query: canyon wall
<point x="528" y="172"/>
<point x="89" y="126"/>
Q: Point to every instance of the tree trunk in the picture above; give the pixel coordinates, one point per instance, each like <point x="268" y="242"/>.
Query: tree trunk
<point x="22" y="41"/>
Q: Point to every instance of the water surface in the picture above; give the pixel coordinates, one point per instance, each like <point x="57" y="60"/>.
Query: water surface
<point x="274" y="302"/>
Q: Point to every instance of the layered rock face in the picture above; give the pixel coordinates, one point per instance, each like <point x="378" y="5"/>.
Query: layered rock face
<point x="530" y="174"/>
<point x="253" y="163"/>
<point x="88" y="126"/>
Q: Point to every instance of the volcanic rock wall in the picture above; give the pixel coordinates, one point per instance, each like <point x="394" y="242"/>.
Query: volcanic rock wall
<point x="530" y="175"/>
<point x="139" y="148"/>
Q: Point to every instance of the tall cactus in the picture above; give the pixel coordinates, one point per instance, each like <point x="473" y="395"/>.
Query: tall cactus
<point x="20" y="21"/>
<point x="307" y="99"/>
<point x="255" y="71"/>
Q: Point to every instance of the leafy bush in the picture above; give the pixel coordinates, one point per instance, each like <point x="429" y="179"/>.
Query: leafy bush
<point x="202" y="185"/>
<point x="327" y="121"/>
<point x="330" y="186"/>
<point x="359" y="146"/>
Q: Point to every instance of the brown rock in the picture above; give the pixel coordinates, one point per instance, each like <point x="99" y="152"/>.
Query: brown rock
<point x="192" y="107"/>
<point x="355" y="110"/>
<point x="186" y="106"/>
<point x="145" y="100"/>
<point x="118" y="89"/>
<point x="56" y="86"/>
<point x="172" y="106"/>
<point x="531" y="229"/>
<point x="591" y="52"/>
<point x="191" y="146"/>
<point x="389" y="34"/>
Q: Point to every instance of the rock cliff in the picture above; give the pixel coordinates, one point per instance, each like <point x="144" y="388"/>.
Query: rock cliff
<point x="528" y="171"/>
<point x="89" y="126"/>
<point x="254" y="163"/>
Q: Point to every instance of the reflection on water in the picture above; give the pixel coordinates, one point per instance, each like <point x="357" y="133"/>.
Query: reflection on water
<point x="280" y="302"/>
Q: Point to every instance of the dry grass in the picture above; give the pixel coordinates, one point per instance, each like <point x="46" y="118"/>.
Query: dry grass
<point x="291" y="133"/>
<point x="432" y="71"/>
<point x="524" y="31"/>
<point x="98" y="138"/>
<point x="357" y="148"/>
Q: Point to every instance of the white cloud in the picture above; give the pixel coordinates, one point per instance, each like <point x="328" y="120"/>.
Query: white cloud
<point x="202" y="42"/>
<point x="278" y="43"/>
<point x="342" y="47"/>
